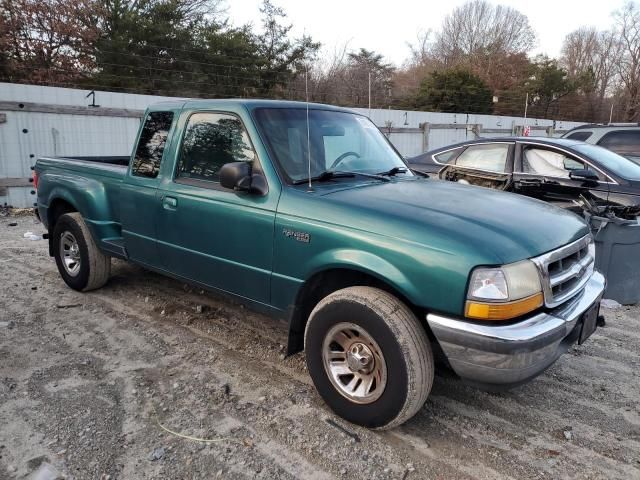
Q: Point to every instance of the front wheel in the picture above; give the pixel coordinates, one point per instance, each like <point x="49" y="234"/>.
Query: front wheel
<point x="369" y="357"/>
<point x="80" y="262"/>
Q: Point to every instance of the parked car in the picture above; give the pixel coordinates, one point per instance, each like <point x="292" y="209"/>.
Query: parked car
<point x="560" y="171"/>
<point x="624" y="139"/>
<point x="306" y="212"/>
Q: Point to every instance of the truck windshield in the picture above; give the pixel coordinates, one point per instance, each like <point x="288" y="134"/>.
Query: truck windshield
<point x="338" y="141"/>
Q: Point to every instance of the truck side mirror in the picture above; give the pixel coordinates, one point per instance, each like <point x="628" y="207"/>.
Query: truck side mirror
<point x="584" y="174"/>
<point x="237" y="176"/>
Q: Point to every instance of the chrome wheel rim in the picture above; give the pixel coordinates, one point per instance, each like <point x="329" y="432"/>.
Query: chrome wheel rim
<point x="354" y="363"/>
<point x="70" y="253"/>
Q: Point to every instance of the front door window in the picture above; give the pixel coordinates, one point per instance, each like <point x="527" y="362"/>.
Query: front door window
<point x="550" y="163"/>
<point x="210" y="141"/>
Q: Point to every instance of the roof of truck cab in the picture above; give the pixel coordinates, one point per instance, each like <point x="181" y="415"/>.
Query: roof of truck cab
<point x="250" y="104"/>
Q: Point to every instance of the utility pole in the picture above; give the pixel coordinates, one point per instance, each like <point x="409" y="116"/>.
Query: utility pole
<point x="526" y="104"/>
<point x="611" y="114"/>
<point x="369" y="93"/>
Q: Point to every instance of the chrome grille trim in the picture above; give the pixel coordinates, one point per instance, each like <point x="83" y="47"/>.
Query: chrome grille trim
<point x="565" y="271"/>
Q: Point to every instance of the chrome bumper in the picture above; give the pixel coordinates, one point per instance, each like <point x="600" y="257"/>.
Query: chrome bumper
<point x="508" y="355"/>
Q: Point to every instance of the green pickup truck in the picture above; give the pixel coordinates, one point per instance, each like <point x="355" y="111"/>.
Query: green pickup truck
<point x="307" y="212"/>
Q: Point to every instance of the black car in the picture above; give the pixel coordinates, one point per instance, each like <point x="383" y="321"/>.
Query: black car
<point x="562" y="171"/>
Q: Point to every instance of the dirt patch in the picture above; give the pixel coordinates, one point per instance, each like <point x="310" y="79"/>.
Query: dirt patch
<point x="150" y="378"/>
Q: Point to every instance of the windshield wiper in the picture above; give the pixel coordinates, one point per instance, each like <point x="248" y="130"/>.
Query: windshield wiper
<point x="330" y="174"/>
<point x="394" y="171"/>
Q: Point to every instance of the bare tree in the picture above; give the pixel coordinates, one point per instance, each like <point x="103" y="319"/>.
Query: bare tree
<point x="579" y="50"/>
<point x="49" y="39"/>
<point x="490" y="41"/>
<point x="479" y="28"/>
<point x="627" y="28"/>
<point x="590" y="58"/>
<point x="422" y="50"/>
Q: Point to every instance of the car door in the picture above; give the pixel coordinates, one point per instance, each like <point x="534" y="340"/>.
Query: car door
<point x="484" y="164"/>
<point x="138" y="203"/>
<point x="215" y="236"/>
<point x="543" y="171"/>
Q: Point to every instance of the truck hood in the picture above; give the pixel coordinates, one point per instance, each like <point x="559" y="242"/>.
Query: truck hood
<point x="502" y="227"/>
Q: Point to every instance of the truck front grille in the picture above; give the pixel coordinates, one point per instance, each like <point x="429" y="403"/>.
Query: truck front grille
<point x="565" y="271"/>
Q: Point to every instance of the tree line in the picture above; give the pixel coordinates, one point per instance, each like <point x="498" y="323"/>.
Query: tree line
<point x="478" y="61"/>
<point x="185" y="48"/>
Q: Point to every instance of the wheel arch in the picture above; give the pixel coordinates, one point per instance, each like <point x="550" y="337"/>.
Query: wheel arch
<point x="329" y="280"/>
<point x="58" y="206"/>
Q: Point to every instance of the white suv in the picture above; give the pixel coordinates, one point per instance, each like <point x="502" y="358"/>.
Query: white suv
<point x="624" y="139"/>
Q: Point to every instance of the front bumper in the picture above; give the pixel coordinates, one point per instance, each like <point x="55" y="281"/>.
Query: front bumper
<point x="508" y="355"/>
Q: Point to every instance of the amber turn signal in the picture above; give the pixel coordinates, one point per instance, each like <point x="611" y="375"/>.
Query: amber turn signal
<point x="503" y="310"/>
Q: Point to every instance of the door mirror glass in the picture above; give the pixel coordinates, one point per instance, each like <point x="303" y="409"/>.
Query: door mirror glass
<point x="583" y="174"/>
<point x="237" y="176"/>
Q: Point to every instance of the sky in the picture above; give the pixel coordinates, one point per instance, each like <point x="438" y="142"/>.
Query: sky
<point x="387" y="26"/>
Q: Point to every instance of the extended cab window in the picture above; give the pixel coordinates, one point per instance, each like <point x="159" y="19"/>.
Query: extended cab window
<point x="491" y="157"/>
<point x="550" y="163"/>
<point x="153" y="139"/>
<point x="210" y="141"/>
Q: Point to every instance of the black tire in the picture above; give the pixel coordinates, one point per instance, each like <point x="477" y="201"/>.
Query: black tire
<point x="93" y="268"/>
<point x="401" y="340"/>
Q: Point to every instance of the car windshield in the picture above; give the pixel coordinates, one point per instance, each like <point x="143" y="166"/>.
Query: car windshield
<point x="619" y="165"/>
<point x="338" y="141"/>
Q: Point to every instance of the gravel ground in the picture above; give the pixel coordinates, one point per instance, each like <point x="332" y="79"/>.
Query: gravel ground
<point x="110" y="385"/>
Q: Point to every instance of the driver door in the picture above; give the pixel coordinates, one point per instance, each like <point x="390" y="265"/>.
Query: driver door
<point x="215" y="236"/>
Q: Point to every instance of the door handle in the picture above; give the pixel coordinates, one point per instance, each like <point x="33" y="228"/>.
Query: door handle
<point x="169" y="203"/>
<point x="530" y="182"/>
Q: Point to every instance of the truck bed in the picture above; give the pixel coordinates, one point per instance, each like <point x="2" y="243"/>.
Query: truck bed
<point x="109" y="166"/>
<point x="95" y="183"/>
<point x="110" y="160"/>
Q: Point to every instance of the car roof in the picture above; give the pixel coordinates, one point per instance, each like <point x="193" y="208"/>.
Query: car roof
<point x="599" y="126"/>
<point x="560" y="142"/>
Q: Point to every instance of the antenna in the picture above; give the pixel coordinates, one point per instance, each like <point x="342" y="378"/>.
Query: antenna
<point x="306" y="92"/>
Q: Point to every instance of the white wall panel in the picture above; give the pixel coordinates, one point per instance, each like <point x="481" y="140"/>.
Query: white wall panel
<point x="84" y="135"/>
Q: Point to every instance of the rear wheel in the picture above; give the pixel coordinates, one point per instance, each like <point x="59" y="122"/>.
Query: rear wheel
<point x="369" y="357"/>
<point x="81" y="264"/>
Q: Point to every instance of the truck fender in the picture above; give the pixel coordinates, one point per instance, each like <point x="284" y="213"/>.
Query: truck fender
<point x="89" y="197"/>
<point x="336" y="269"/>
<point x="367" y="263"/>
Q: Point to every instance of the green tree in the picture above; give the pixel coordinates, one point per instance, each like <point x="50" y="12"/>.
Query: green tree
<point x="188" y="48"/>
<point x="282" y="58"/>
<point x="549" y="83"/>
<point x="454" y="91"/>
<point x="363" y="67"/>
<point x="152" y="45"/>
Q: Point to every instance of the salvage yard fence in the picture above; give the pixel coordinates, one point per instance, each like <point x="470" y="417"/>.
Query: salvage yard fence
<point x="50" y="121"/>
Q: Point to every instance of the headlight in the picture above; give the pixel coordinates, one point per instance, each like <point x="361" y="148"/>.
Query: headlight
<point x="505" y="292"/>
